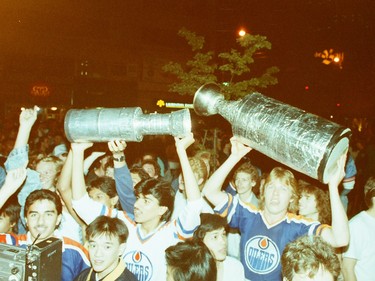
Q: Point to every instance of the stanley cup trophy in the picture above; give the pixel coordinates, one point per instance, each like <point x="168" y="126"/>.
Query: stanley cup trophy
<point x="129" y="124"/>
<point x="303" y="141"/>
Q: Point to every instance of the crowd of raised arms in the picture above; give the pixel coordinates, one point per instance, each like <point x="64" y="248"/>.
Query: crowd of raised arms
<point x="174" y="208"/>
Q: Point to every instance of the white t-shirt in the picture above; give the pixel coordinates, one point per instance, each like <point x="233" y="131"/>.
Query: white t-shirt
<point x="233" y="270"/>
<point x="362" y="246"/>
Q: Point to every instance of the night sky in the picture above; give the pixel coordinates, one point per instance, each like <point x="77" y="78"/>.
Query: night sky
<point x="43" y="39"/>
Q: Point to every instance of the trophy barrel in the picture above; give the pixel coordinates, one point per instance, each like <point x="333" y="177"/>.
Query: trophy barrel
<point x="129" y="124"/>
<point x="303" y="141"/>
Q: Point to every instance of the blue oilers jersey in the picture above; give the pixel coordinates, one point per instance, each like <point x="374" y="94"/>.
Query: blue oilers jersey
<point x="262" y="244"/>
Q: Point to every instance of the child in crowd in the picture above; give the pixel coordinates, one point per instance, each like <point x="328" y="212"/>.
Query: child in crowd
<point x="9" y="216"/>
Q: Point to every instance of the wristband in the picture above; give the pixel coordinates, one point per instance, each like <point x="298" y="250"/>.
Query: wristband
<point x="120" y="159"/>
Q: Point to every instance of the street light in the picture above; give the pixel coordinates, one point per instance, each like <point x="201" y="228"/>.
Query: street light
<point x="242" y="32"/>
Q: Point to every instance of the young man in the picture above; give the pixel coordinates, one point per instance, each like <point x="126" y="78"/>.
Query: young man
<point x="309" y="258"/>
<point x="266" y="231"/>
<point x="359" y="257"/>
<point x="43" y="212"/>
<point x="106" y="239"/>
<point x="151" y="232"/>
<point x="190" y="260"/>
<point x="213" y="234"/>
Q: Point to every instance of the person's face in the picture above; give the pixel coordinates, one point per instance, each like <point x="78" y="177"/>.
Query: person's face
<point x="135" y="178"/>
<point x="42" y="218"/>
<point x="216" y="242"/>
<point x="243" y="182"/>
<point x="277" y="197"/>
<point x="150" y="169"/>
<point x="307" y="205"/>
<point x="99" y="196"/>
<point x="5" y="224"/>
<point x="104" y="252"/>
<point x="147" y="209"/>
<point x="47" y="174"/>
<point x="321" y="275"/>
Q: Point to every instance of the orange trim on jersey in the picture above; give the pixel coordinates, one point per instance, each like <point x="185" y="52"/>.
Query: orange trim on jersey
<point x="320" y="229"/>
<point x="74" y="243"/>
<point x="230" y="200"/>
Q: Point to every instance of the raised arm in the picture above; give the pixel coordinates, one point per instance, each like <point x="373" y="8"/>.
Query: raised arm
<point x="64" y="186"/>
<point x="19" y="157"/>
<point x="13" y="181"/>
<point x="338" y="235"/>
<point x="191" y="186"/>
<point x="27" y="120"/>
<point x="123" y="179"/>
<point x="212" y="188"/>
<point x="78" y="178"/>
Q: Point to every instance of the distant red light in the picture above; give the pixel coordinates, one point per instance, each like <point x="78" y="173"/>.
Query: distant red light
<point x="338" y="104"/>
<point x="306" y="88"/>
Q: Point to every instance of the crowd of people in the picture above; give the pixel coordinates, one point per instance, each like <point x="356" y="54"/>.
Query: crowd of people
<point x="172" y="208"/>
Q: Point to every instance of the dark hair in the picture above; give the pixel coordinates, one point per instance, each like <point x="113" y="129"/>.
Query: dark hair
<point x="323" y="205"/>
<point x="105" y="184"/>
<point x="308" y="254"/>
<point x="209" y="222"/>
<point x="153" y="163"/>
<point x="113" y="227"/>
<point x="191" y="261"/>
<point x="140" y="172"/>
<point x="11" y="209"/>
<point x="161" y="190"/>
<point x="43" y="194"/>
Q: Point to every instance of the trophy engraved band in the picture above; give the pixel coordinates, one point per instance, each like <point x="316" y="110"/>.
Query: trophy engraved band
<point x="303" y="141"/>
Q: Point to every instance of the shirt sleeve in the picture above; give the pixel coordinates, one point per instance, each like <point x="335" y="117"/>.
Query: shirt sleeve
<point x="189" y="219"/>
<point x="125" y="189"/>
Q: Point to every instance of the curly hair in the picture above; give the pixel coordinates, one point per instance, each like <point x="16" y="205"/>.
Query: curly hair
<point x="308" y="254"/>
<point x="323" y="205"/>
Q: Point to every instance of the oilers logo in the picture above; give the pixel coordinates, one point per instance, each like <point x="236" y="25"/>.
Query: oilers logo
<point x="139" y="264"/>
<point x="261" y="255"/>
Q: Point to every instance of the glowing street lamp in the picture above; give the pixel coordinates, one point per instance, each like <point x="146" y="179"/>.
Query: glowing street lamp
<point x="242" y="32"/>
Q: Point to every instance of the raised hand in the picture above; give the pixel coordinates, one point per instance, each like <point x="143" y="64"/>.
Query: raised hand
<point x="13" y="180"/>
<point x="184" y="142"/>
<point x="117" y="147"/>
<point x="339" y="172"/>
<point x="28" y="116"/>
<point x="239" y="149"/>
